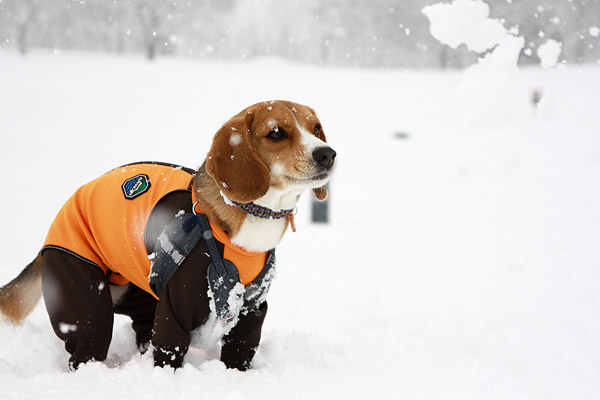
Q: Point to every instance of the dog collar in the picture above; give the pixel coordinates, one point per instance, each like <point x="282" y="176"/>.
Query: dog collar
<point x="256" y="210"/>
<point x="261" y="212"/>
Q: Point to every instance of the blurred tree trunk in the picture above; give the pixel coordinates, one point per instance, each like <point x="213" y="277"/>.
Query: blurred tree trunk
<point x="160" y="21"/>
<point x="444" y="62"/>
<point x="21" y="38"/>
<point x="24" y="13"/>
<point x="150" y="22"/>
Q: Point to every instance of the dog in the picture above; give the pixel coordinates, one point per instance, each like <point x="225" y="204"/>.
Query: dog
<point x="172" y="247"/>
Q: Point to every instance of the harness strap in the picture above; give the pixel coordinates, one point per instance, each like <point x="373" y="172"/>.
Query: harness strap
<point x="174" y="244"/>
<point x="230" y="296"/>
<point x="223" y="279"/>
<point x="209" y="239"/>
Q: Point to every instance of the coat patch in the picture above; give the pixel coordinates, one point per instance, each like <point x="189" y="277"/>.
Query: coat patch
<point x="136" y="186"/>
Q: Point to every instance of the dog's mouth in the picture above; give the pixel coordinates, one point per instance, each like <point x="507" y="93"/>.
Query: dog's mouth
<point x="315" y="178"/>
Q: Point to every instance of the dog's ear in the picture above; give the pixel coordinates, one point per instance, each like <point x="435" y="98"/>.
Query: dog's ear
<point x="234" y="163"/>
<point x="320" y="193"/>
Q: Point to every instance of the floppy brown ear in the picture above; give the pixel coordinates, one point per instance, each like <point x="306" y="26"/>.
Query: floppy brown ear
<point x="320" y="193"/>
<point x="234" y="163"/>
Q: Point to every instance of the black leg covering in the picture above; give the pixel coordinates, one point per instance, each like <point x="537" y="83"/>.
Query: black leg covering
<point x="140" y="306"/>
<point x="79" y="304"/>
<point x="240" y="345"/>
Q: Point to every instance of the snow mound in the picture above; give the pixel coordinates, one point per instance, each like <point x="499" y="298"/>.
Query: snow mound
<point x="465" y="22"/>
<point x="492" y="86"/>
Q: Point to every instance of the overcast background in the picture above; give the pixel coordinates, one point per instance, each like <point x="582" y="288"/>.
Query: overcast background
<point x="353" y="33"/>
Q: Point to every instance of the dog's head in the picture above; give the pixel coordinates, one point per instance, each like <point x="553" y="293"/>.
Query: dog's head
<point x="276" y="144"/>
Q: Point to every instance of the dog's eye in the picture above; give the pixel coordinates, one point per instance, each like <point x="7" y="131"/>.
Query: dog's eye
<point x="318" y="130"/>
<point x="277" y="134"/>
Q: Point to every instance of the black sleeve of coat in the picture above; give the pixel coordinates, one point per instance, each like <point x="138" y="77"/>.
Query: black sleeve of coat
<point x="240" y="345"/>
<point x="182" y="307"/>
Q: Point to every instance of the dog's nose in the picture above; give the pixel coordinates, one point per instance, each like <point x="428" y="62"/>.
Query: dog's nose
<point x="324" y="156"/>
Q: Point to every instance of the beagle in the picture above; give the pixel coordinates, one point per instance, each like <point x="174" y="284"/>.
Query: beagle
<point x="176" y="249"/>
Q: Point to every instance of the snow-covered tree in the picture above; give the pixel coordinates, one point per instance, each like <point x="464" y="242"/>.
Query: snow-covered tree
<point x="357" y="33"/>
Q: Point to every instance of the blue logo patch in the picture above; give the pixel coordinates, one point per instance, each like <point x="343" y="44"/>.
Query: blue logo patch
<point x="136" y="186"/>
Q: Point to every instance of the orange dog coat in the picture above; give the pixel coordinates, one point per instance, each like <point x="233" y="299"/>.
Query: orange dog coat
<point x="105" y="220"/>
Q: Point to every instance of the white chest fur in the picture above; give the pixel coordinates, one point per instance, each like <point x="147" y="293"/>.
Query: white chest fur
<point x="259" y="234"/>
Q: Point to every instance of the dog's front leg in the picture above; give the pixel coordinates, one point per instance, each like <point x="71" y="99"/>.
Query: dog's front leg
<point x="171" y="335"/>
<point x="239" y="346"/>
<point x="182" y="307"/>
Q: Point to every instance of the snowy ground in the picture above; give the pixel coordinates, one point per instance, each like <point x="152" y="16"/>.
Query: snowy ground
<point x="461" y="263"/>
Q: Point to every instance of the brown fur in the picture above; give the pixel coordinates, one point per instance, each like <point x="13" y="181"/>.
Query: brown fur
<point x="241" y="166"/>
<point x="19" y="297"/>
<point x="287" y="116"/>
<point x="234" y="163"/>
<point x="228" y="218"/>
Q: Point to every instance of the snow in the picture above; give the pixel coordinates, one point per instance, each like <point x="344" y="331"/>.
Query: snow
<point x="168" y="247"/>
<point x="235" y="139"/>
<point x="461" y="263"/>
<point x="66" y="328"/>
<point x="549" y="53"/>
<point x="226" y="199"/>
<point x="467" y="22"/>
<point x="594" y="31"/>
<point x="277" y="168"/>
<point x="494" y="88"/>
<point x="464" y="22"/>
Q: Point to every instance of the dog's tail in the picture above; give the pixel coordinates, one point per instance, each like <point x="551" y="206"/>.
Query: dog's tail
<point x="19" y="297"/>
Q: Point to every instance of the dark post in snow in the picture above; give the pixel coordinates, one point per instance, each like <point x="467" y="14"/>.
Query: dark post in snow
<point x="320" y="210"/>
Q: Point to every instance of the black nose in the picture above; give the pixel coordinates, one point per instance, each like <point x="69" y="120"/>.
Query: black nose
<point x="324" y="156"/>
